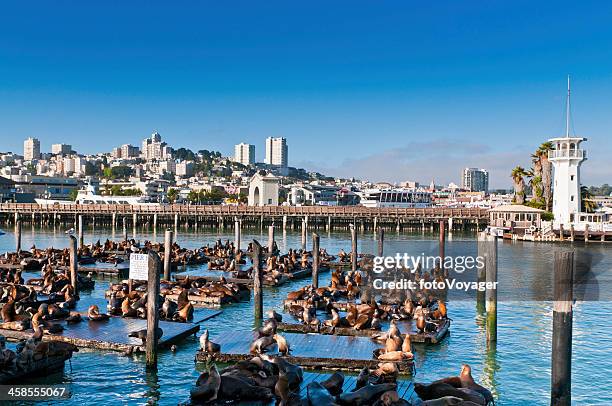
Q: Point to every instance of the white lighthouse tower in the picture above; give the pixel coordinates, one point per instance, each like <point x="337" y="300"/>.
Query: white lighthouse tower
<point x="566" y="158"/>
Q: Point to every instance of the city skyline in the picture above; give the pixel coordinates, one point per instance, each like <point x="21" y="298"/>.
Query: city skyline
<point x="384" y="92"/>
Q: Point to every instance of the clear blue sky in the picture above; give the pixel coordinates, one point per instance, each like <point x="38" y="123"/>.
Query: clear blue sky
<point x="392" y="90"/>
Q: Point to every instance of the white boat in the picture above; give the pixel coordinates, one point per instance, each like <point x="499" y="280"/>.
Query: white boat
<point x="400" y="198"/>
<point x="89" y="195"/>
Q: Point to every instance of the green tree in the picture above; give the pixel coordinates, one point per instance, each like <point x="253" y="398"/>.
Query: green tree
<point x="587" y="202"/>
<point x="73" y="194"/>
<point x="172" y="195"/>
<point x="518" y="179"/>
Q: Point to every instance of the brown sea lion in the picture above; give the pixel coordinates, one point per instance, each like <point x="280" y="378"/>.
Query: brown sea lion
<point x="467" y="381"/>
<point x="334" y="383"/>
<point x="258" y="346"/>
<point x="208" y="385"/>
<point x="94" y="314"/>
<point x="366" y="395"/>
<point x="318" y="395"/>
<point x="283" y="345"/>
<point x="208" y="346"/>
<point x="407" y="344"/>
<point x="8" y="311"/>
<point x="362" y="379"/>
<point x="237" y="389"/>
<point x="440" y="390"/>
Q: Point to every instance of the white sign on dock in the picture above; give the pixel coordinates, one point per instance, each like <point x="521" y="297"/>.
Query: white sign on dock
<point x="139" y="267"/>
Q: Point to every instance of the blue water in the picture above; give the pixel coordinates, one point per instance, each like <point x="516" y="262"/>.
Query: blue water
<point x="517" y="371"/>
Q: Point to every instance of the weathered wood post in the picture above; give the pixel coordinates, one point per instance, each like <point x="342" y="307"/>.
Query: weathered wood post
<point x="125" y="235"/>
<point x="17" y="233"/>
<point x="481" y="271"/>
<point x="152" y="309"/>
<point x="572" y="232"/>
<point x="315" y="260"/>
<point x="563" y="296"/>
<point x="491" y="294"/>
<point x="176" y="222"/>
<point x="353" y="248"/>
<point x="284" y="222"/>
<point x="236" y="235"/>
<point x="442" y="244"/>
<point x="134" y="224"/>
<point x="561" y="236"/>
<point x="257" y="281"/>
<point x="154" y="221"/>
<point x="81" y="237"/>
<point x="303" y="234"/>
<point x="167" y="254"/>
<point x="73" y="264"/>
<point x="271" y="239"/>
<point x="586" y="233"/>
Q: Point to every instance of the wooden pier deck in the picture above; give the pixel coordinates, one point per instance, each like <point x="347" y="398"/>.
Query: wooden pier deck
<point x="315" y="351"/>
<point x="111" y="334"/>
<point x="406" y="327"/>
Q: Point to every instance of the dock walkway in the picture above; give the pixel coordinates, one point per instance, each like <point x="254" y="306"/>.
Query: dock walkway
<point x="315" y="351"/>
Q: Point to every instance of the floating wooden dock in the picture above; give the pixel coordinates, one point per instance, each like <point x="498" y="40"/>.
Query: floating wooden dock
<point x="203" y="301"/>
<point x="315" y="351"/>
<point x="42" y="367"/>
<point x="111" y="334"/>
<point x="416" y="337"/>
<point x="300" y="274"/>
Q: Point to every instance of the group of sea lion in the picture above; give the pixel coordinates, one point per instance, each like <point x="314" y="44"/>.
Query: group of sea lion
<point x="455" y="390"/>
<point x="29" y="351"/>
<point x="134" y="304"/>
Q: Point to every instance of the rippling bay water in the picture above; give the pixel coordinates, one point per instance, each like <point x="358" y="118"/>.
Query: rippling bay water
<point x="517" y="371"/>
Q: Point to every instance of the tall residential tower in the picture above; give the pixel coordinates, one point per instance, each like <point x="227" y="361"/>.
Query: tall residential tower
<point x="277" y="153"/>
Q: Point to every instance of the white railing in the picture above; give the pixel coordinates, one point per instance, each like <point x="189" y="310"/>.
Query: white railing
<point x="567" y="153"/>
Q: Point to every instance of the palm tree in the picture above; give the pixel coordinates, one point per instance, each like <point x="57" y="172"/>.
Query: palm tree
<point x="172" y="195"/>
<point x="542" y="153"/>
<point x="586" y="199"/>
<point x="519" y="184"/>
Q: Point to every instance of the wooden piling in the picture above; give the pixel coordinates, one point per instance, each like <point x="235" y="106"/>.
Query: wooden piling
<point x="586" y="233"/>
<point x="491" y="294"/>
<point x="237" y="235"/>
<point x="81" y="236"/>
<point x="303" y="234"/>
<point x="353" y="248"/>
<point x="134" y="224"/>
<point x="125" y="235"/>
<point x="152" y="309"/>
<point x="257" y="281"/>
<point x="315" y="260"/>
<point x="73" y="263"/>
<point x="561" y="374"/>
<point x="17" y="233"/>
<point x="572" y="232"/>
<point x="271" y="239"/>
<point x="481" y="271"/>
<point x="442" y="244"/>
<point x="561" y="236"/>
<point x="381" y="241"/>
<point x="167" y="254"/>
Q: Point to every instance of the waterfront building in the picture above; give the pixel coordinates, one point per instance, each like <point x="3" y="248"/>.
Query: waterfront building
<point x="263" y="190"/>
<point x="277" y="153"/>
<point x="61" y="149"/>
<point x="31" y="149"/>
<point x="244" y="153"/>
<point x="475" y="180"/>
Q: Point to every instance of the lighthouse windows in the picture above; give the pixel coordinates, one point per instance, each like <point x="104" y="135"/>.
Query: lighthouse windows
<point x="572" y="198"/>
<point x="572" y="178"/>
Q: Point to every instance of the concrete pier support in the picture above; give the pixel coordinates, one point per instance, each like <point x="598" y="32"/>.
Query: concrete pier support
<point x="134" y="224"/>
<point x="450" y="224"/>
<point x="329" y="223"/>
<point x="375" y="226"/>
<point x="304" y="234"/>
<point x="237" y="235"/>
<point x="17" y="233"/>
<point x="271" y="239"/>
<point x="155" y="221"/>
<point x="284" y="222"/>
<point x="176" y="219"/>
<point x="167" y="254"/>
<point x="125" y="233"/>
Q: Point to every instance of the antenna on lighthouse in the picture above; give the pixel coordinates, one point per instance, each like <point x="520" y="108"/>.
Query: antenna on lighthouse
<point x="567" y="113"/>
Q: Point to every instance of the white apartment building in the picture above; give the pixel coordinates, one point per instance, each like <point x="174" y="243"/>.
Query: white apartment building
<point x="31" y="149"/>
<point x="154" y="148"/>
<point x="61" y="149"/>
<point x="244" y="153"/>
<point x="277" y="153"/>
<point x="184" y="168"/>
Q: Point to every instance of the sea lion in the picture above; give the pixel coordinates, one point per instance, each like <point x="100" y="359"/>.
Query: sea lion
<point x="394" y="331"/>
<point x="208" y="346"/>
<point x="395" y="356"/>
<point x="445" y="401"/>
<point x="420" y="323"/>
<point x="269" y="328"/>
<point x="73" y="318"/>
<point x="440" y="390"/>
<point x="391" y="398"/>
<point x="258" y="346"/>
<point x="467" y="381"/>
<point x="274" y="315"/>
<point x="208" y="386"/>
<point x="335" y="320"/>
<point x="362" y="379"/>
<point x="168" y="308"/>
<point x="142" y="334"/>
<point x="318" y="395"/>
<point x="366" y="395"/>
<point x="283" y="345"/>
<point x="237" y="389"/>
<point x="393" y="343"/>
<point x="185" y="313"/>
<point x="94" y="314"/>
<point x="334" y="383"/>
<point x="407" y="344"/>
<point x="8" y="311"/>
<point x="295" y="375"/>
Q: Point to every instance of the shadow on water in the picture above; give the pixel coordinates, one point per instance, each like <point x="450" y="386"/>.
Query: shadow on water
<point x="491" y="367"/>
<point x="152" y="382"/>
